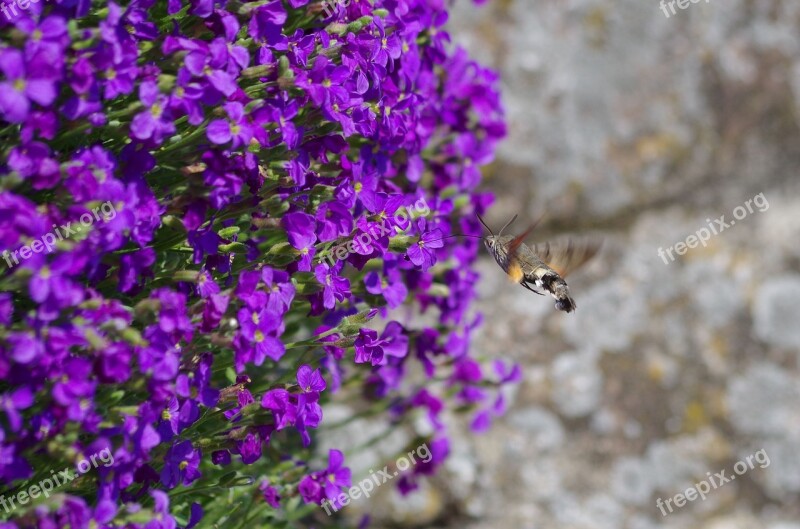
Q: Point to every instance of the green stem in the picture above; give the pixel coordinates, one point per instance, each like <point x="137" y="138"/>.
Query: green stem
<point x="186" y="140"/>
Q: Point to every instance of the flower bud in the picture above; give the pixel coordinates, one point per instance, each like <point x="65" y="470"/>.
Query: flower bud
<point x="350" y="325"/>
<point x="337" y="28"/>
<point x="190" y="276"/>
<point x="254" y="72"/>
<point x="400" y="243"/>
<point x="234" y="247"/>
<point x="227" y="233"/>
<point x="344" y="343"/>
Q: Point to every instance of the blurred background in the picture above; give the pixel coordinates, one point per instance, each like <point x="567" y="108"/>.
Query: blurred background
<point x="636" y="127"/>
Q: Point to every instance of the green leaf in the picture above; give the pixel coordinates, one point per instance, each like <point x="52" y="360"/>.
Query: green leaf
<point x="227" y="479"/>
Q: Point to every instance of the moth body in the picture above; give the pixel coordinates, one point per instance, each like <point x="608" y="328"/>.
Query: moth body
<point x="525" y="267"/>
<point x="539" y="268"/>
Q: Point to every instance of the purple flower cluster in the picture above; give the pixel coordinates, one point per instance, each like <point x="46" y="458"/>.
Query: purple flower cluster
<point x="199" y="332"/>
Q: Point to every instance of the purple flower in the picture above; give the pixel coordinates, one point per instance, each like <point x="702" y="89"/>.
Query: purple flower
<point x="278" y="401"/>
<point x="197" y="384"/>
<point x="75" y="388"/>
<point x="394" y="293"/>
<point x="181" y="465"/>
<point x="152" y="122"/>
<point x="33" y="161"/>
<point x="51" y="283"/>
<point x="301" y="411"/>
<point x="235" y="129"/>
<point x="221" y="457"/>
<point x="309" y="379"/>
<point x="168" y="426"/>
<point x="481" y="422"/>
<point x="422" y="252"/>
<point x="195" y="515"/>
<point x="298" y="47"/>
<point x="299" y="228"/>
<point x="163" y="519"/>
<point x="309" y="415"/>
<point x="213" y="310"/>
<point x="439" y="449"/>
<point x="24" y="348"/>
<point x="186" y="98"/>
<point x="281" y="113"/>
<point x="333" y="220"/>
<point x="135" y="267"/>
<point x="326" y="82"/>
<point x="336" y="476"/>
<point x="279" y="289"/>
<point x="386" y="49"/>
<point x="206" y="286"/>
<point x="46" y="39"/>
<point x="334" y="287"/>
<point x="369" y="348"/>
<point x="174" y="419"/>
<point x="267" y="21"/>
<point x="270" y="494"/>
<point x="250" y="448"/>
<point x="172" y="317"/>
<point x="21" y="399"/>
<point x="310" y="489"/>
<point x="115" y="363"/>
<point x="209" y="62"/>
<point x="507" y="375"/>
<point x="327" y="483"/>
<point x="22" y="86"/>
<point x="258" y="338"/>
<point x="256" y="350"/>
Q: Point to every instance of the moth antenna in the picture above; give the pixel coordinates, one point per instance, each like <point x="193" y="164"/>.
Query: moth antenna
<point x="484" y="224"/>
<point x="509" y="223"/>
<point x="457" y="235"/>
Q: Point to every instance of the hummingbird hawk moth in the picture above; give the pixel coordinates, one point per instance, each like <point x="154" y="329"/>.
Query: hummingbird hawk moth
<point x="541" y="267"/>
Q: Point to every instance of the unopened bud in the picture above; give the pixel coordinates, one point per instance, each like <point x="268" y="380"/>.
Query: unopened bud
<point x="439" y="290"/>
<point x="400" y="243"/>
<point x="234" y="247"/>
<point x="343" y="343"/>
<point x="337" y="28"/>
<point x="146" y="306"/>
<point x="190" y="276"/>
<point x="165" y="83"/>
<point x="253" y="72"/>
<point x="95" y="340"/>
<point x="171" y="221"/>
<point x="133" y="336"/>
<point x="350" y="325"/>
<point x="285" y="73"/>
<point x="227" y="233"/>
<point x="358" y="24"/>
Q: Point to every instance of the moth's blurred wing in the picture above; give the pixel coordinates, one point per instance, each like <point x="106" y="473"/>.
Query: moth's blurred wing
<point x="568" y="256"/>
<point x="515" y="266"/>
<point x="519" y="239"/>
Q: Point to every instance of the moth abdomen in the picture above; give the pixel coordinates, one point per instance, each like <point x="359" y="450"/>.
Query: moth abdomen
<point x="557" y="287"/>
